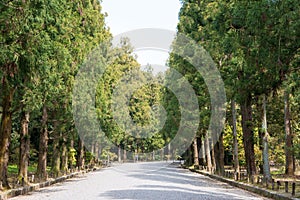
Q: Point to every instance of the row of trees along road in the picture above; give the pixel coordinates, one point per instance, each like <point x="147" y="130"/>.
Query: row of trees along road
<point x="255" y="45"/>
<point x="43" y="44"/>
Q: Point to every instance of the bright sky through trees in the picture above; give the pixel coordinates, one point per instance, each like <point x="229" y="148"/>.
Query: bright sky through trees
<point x="127" y="15"/>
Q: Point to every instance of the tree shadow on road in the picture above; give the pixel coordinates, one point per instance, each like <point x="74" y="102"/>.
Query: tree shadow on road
<point x="173" y="183"/>
<point x="170" y="193"/>
<point x="173" y="174"/>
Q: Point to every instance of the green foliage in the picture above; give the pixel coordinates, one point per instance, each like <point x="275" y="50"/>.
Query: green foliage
<point x="14" y="148"/>
<point x="256" y="47"/>
<point x="108" y="154"/>
<point x="72" y="156"/>
<point x="228" y="140"/>
<point x="42" y="46"/>
<point x="125" y="86"/>
<point x="88" y="157"/>
<point x="13" y="169"/>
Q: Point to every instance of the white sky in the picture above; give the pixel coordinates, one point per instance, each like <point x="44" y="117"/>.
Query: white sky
<point x="127" y="15"/>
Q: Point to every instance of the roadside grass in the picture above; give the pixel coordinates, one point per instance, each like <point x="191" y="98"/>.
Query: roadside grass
<point x="13" y="169"/>
<point x="278" y="171"/>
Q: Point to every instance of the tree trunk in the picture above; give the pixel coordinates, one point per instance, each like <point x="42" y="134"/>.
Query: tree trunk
<point x="235" y="143"/>
<point x="64" y="155"/>
<point x="202" y="152"/>
<point x="190" y="156"/>
<point x="162" y="154"/>
<point x="153" y="155"/>
<point x="196" y="155"/>
<point x="248" y="136"/>
<point x="80" y="158"/>
<point x="222" y="156"/>
<point x="169" y="152"/>
<point x="24" y="148"/>
<point x="213" y="156"/>
<point x="119" y="154"/>
<point x="266" y="163"/>
<point x="5" y="132"/>
<point x="70" y="158"/>
<point x="55" y="168"/>
<point x="124" y="155"/>
<point x="97" y="152"/>
<point x="261" y="135"/>
<point x="219" y="155"/>
<point x="43" y="147"/>
<point x="92" y="149"/>
<point x="289" y="160"/>
<point x="208" y="155"/>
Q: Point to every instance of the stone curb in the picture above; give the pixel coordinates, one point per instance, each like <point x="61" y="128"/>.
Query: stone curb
<point x="248" y="187"/>
<point x="25" y="190"/>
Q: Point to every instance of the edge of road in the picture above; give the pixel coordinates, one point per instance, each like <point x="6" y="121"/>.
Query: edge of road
<point x="33" y="187"/>
<point x="248" y="187"/>
<point x="245" y="186"/>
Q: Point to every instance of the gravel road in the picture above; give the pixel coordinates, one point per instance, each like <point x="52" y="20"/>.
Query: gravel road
<point x="140" y="181"/>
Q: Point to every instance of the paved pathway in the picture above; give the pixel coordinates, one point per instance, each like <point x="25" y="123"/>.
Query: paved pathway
<point x="140" y="182"/>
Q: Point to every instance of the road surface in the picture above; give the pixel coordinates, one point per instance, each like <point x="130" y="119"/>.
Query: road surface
<point x="140" y="181"/>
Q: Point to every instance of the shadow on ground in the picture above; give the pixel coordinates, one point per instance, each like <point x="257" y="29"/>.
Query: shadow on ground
<point x="174" y="183"/>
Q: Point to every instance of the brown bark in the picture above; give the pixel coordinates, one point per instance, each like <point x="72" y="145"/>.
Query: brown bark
<point x="248" y="136"/>
<point x="55" y="167"/>
<point x="24" y="147"/>
<point x="289" y="158"/>
<point x="64" y="155"/>
<point x="222" y="155"/>
<point x="202" y="151"/>
<point x="80" y="158"/>
<point x="219" y="155"/>
<point x="70" y="159"/>
<point x="96" y="152"/>
<point x="208" y="155"/>
<point x="213" y="157"/>
<point x="190" y="156"/>
<point x="5" y="132"/>
<point x="196" y="155"/>
<point x="235" y="142"/>
<point x="43" y="147"/>
<point x="92" y="151"/>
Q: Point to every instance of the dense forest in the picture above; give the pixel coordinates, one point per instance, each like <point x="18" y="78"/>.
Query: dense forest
<point x="255" y="46"/>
